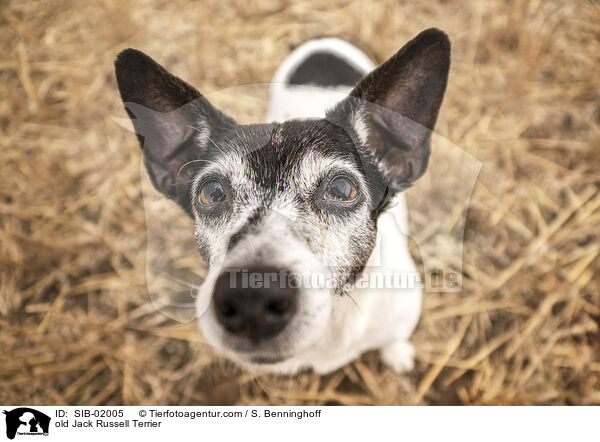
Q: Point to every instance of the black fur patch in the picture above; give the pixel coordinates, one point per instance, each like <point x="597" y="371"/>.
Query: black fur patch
<point x="325" y="69"/>
<point x="251" y="223"/>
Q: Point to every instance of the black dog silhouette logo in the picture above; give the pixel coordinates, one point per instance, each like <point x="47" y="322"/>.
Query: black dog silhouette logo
<point x="26" y="421"/>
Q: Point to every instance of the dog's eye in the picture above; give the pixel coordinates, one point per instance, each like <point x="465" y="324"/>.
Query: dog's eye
<point x="211" y="193"/>
<point x="341" y="189"/>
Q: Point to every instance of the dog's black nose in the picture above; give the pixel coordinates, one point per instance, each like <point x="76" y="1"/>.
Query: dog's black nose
<point x="256" y="303"/>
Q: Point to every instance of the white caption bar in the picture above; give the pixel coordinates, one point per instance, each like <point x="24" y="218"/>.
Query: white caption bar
<point x="27" y="423"/>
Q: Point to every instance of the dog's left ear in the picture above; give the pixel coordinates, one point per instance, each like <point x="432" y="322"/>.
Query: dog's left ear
<point x="394" y="108"/>
<point x="173" y="121"/>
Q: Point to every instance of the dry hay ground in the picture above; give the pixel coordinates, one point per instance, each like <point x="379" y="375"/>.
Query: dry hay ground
<point x="76" y="326"/>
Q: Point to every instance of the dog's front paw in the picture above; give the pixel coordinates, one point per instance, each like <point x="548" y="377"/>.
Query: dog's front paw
<point x="400" y="356"/>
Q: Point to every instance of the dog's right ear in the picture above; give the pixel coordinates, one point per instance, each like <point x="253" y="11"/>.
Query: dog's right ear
<point x="173" y="121"/>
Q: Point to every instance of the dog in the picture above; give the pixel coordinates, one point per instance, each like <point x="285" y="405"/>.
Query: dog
<point x="318" y="190"/>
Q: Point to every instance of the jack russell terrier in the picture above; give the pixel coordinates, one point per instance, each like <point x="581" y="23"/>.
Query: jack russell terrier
<point x="316" y="191"/>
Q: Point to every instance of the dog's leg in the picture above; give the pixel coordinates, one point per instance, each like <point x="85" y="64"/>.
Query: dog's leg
<point x="399" y="356"/>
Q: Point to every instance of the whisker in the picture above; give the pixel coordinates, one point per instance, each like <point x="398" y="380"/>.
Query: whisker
<point x="193" y="128"/>
<point x="297" y="380"/>
<point x="207" y="136"/>
<point x="190" y="162"/>
<point x="216" y="145"/>
<point x="261" y="385"/>
<point x="355" y="303"/>
<point x="185" y="283"/>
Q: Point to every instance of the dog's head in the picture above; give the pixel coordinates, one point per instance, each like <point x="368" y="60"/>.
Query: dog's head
<point x="276" y="204"/>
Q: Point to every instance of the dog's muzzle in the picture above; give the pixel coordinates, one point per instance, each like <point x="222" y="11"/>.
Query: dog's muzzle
<point x="256" y="304"/>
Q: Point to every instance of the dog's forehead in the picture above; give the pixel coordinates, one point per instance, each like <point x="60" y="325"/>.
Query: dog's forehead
<point x="277" y="155"/>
